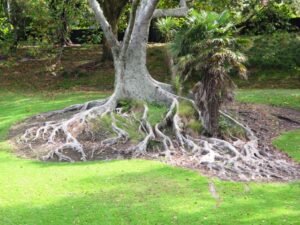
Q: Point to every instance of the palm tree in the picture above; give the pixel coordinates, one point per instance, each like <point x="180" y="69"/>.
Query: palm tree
<point x="205" y="48"/>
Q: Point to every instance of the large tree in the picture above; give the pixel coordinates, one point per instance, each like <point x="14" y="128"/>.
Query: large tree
<point x="14" y="12"/>
<point x="60" y="11"/>
<point x="72" y="129"/>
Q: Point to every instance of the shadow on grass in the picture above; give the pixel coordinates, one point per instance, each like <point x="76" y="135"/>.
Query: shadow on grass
<point x="150" y="194"/>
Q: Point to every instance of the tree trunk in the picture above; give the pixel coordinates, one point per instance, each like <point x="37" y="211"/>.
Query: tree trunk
<point x="208" y="103"/>
<point x="112" y="10"/>
<point x="106" y="52"/>
<point x="106" y="49"/>
<point x="64" y="29"/>
<point x="13" y="13"/>
<point x="133" y="81"/>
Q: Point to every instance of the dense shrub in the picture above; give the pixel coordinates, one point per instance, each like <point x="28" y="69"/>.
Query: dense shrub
<point x="275" y="51"/>
<point x="268" y="19"/>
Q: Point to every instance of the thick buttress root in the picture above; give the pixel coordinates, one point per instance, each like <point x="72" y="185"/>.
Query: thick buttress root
<point x="234" y="160"/>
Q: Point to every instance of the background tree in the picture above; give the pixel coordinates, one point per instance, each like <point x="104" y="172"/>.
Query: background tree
<point x="60" y="11"/>
<point x="112" y="10"/>
<point x="14" y="12"/>
<point x="267" y="18"/>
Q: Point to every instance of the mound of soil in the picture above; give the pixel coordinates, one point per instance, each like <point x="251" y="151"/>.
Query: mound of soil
<point x="267" y="122"/>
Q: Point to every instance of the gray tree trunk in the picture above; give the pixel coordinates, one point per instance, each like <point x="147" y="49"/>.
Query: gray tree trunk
<point x="132" y="79"/>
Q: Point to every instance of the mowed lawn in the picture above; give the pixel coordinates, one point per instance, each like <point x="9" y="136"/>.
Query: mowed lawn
<point x="289" y="98"/>
<point x="127" y="191"/>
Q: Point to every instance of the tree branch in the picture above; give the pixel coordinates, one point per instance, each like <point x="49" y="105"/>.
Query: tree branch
<point x="129" y="29"/>
<point x="177" y="12"/>
<point x="109" y="35"/>
<point x="147" y="10"/>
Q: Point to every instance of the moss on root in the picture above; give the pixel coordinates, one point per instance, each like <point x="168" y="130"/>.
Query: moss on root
<point x="157" y="112"/>
<point x="195" y="126"/>
<point x="186" y="109"/>
<point x="229" y="130"/>
<point x="130" y="124"/>
<point x="190" y="118"/>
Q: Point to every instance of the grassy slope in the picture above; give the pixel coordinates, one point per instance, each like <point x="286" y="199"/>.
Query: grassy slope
<point x="278" y="97"/>
<point x="124" y="192"/>
<point x="273" y="60"/>
<point x="77" y="70"/>
<point x="271" y="78"/>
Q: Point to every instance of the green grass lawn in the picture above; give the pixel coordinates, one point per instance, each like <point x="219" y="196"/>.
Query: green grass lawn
<point x="124" y="192"/>
<point x="17" y="106"/>
<point x="290" y="143"/>
<point x="289" y="98"/>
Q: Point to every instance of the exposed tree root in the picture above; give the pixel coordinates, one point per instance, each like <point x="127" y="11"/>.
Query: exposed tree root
<point x="122" y="135"/>
<point x="230" y="160"/>
<point x="63" y="135"/>
<point x="141" y="148"/>
<point x="73" y="108"/>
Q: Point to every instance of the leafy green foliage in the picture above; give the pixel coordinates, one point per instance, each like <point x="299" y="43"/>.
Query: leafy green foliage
<point x="168" y="26"/>
<point x="273" y="60"/>
<point x="195" y="30"/>
<point x="270" y="18"/>
<point x="278" y="50"/>
<point x="44" y="22"/>
<point x="204" y="49"/>
<point x="5" y="28"/>
<point x="186" y="109"/>
<point x="254" y="16"/>
<point x="229" y="130"/>
<point x="204" y="42"/>
<point x="6" y="36"/>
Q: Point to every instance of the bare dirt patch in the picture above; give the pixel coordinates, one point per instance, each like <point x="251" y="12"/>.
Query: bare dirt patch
<point x="266" y="122"/>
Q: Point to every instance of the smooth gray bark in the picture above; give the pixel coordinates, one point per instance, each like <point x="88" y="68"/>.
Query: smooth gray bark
<point x="132" y="78"/>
